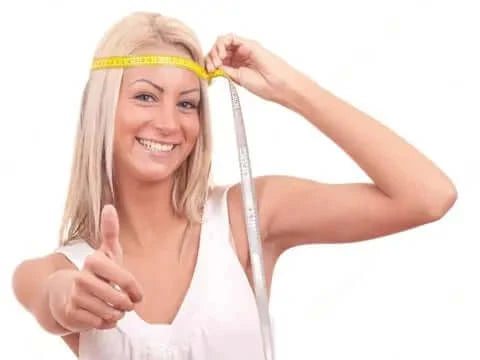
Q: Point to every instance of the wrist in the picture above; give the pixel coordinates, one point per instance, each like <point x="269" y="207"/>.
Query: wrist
<point x="52" y="321"/>
<point x="296" y="91"/>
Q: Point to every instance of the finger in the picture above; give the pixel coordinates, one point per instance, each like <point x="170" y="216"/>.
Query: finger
<point x="109" y="271"/>
<point x="208" y="64"/>
<point x="104" y="291"/>
<point x="242" y="47"/>
<point x="222" y="50"/>
<point x="97" y="307"/>
<point x="107" y="325"/>
<point x="220" y="46"/>
<point x="233" y="41"/>
<point x="236" y="40"/>
<point x="214" y="58"/>
<point x="109" y="227"/>
<point x="230" y="42"/>
<point x="82" y="318"/>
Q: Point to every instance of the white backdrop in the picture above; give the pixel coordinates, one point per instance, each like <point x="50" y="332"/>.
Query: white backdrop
<point x="413" y="65"/>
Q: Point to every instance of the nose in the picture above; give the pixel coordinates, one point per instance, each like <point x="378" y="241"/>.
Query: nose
<point x="166" y="119"/>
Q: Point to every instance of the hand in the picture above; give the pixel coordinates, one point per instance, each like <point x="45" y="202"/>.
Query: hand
<point x="86" y="299"/>
<point x="250" y="65"/>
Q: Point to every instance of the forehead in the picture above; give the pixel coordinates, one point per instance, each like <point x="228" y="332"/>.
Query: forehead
<point x="166" y="76"/>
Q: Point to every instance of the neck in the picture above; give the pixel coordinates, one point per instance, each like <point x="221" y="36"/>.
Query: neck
<point x="147" y="220"/>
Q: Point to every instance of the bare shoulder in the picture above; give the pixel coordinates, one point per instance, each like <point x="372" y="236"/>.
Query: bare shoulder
<point x="72" y="340"/>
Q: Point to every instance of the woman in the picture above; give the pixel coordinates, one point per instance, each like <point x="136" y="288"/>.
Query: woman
<point x="153" y="258"/>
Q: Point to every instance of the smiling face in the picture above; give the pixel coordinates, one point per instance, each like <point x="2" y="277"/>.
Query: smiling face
<point x="158" y="107"/>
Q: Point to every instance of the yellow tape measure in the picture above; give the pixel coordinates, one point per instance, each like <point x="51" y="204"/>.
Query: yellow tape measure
<point x="145" y="60"/>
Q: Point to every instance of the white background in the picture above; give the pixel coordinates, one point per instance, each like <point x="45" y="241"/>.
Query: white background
<point x="413" y="65"/>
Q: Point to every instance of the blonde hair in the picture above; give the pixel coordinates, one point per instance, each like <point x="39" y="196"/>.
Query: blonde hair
<point x="91" y="183"/>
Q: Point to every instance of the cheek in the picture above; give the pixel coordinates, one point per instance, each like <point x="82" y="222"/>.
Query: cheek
<point x="128" y="119"/>
<point x="192" y="129"/>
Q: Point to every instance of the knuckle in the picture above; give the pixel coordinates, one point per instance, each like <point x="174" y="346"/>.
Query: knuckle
<point x="128" y="281"/>
<point x="97" y="323"/>
<point x="75" y="297"/>
<point x="125" y="300"/>
<point x="118" y="314"/>
<point x="81" y="280"/>
<point x="108" y="324"/>
<point x="119" y="303"/>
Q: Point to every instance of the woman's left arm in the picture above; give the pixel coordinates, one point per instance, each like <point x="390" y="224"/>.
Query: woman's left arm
<point x="408" y="190"/>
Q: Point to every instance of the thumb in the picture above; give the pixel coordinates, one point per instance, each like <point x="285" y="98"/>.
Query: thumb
<point x="109" y="228"/>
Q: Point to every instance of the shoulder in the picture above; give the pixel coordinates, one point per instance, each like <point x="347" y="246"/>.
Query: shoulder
<point x="75" y="252"/>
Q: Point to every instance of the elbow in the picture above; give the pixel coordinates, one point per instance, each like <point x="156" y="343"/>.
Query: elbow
<point x="17" y="284"/>
<point x="442" y="204"/>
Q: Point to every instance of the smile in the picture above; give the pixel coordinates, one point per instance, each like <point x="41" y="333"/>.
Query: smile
<point x="154" y="146"/>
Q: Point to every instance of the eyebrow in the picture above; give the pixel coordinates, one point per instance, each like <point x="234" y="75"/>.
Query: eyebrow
<point x="159" y="88"/>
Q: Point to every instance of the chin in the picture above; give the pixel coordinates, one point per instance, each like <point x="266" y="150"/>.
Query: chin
<point x="154" y="176"/>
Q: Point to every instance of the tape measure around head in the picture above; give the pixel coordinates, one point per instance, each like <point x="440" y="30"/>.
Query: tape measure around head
<point x="248" y="189"/>
<point x="146" y="60"/>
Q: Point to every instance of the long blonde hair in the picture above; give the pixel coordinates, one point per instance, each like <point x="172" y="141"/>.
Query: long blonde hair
<point x="91" y="183"/>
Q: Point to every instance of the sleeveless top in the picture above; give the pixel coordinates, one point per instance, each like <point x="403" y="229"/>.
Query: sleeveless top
<point x="218" y="318"/>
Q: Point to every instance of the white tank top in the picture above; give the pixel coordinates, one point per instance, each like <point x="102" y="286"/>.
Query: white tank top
<point x="218" y="318"/>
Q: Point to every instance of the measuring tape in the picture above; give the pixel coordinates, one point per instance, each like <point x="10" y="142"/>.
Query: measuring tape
<point x="248" y="189"/>
<point x="146" y="60"/>
<point x="251" y="219"/>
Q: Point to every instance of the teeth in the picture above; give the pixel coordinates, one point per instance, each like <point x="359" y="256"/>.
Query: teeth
<point x="151" y="145"/>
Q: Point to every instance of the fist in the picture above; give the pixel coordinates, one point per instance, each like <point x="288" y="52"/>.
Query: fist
<point x="98" y="295"/>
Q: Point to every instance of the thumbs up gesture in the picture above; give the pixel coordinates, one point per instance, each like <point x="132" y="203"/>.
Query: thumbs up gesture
<point x="99" y="294"/>
<point x="112" y="270"/>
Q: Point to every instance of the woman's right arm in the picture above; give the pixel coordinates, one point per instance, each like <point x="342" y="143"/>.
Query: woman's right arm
<point x="30" y="280"/>
<point x="65" y="299"/>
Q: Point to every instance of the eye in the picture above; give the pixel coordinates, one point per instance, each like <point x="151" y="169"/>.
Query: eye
<point x="142" y="96"/>
<point x="189" y="104"/>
